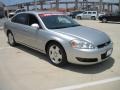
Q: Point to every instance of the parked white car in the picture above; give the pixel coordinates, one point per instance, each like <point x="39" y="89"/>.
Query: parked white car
<point x="88" y="15"/>
<point x="11" y="14"/>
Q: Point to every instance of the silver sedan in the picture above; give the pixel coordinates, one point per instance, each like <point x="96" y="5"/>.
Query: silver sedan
<point x="60" y="37"/>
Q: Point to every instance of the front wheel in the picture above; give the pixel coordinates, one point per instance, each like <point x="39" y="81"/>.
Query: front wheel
<point x="56" y="54"/>
<point x="78" y="17"/>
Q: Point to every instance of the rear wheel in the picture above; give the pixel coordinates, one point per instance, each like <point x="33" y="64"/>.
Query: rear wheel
<point x="11" y="40"/>
<point x="93" y="18"/>
<point x="56" y="54"/>
<point x="104" y="20"/>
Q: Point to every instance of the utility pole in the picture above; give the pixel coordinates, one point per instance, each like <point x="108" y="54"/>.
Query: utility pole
<point x="85" y="4"/>
<point x="35" y="5"/>
<point x="119" y="6"/>
<point x="41" y="4"/>
<point x="76" y="4"/>
<point x="57" y="4"/>
<point x="100" y="5"/>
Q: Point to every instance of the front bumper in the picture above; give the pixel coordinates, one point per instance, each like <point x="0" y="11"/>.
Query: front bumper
<point x="88" y="56"/>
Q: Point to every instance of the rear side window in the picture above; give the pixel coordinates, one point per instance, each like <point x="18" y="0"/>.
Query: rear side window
<point x="20" y="18"/>
<point x="33" y="20"/>
<point x="94" y="12"/>
<point x="89" y="12"/>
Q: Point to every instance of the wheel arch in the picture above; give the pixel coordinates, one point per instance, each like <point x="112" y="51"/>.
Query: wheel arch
<point x="8" y="31"/>
<point x="53" y="41"/>
<point x="58" y="43"/>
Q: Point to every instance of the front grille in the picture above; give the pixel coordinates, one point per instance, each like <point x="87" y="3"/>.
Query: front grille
<point x="87" y="59"/>
<point x="103" y="45"/>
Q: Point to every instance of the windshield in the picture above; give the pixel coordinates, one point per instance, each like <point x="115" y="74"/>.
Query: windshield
<point x="57" y="21"/>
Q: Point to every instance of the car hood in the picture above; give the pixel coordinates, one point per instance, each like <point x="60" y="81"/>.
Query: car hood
<point x="89" y="34"/>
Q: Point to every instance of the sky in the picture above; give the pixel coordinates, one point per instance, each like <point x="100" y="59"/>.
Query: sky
<point x="11" y="2"/>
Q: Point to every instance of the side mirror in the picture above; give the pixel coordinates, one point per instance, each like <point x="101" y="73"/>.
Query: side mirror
<point x="35" y="25"/>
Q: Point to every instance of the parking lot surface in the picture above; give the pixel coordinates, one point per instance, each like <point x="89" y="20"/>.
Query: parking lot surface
<point x="22" y="68"/>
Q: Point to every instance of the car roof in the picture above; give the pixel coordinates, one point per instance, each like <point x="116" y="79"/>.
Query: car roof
<point x="43" y="12"/>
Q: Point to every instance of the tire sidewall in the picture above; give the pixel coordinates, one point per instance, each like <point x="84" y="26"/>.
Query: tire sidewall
<point x="64" y="58"/>
<point x="11" y="44"/>
<point x="79" y="17"/>
<point x="104" y="20"/>
<point x="93" y="18"/>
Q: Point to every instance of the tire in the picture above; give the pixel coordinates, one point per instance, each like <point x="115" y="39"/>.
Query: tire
<point x="104" y="20"/>
<point x="11" y="39"/>
<point x="56" y="54"/>
<point x="93" y="18"/>
<point x="79" y="17"/>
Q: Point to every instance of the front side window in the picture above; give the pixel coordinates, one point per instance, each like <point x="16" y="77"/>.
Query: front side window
<point x="85" y="13"/>
<point x="57" y="21"/>
<point x="20" y="18"/>
<point x="33" y="20"/>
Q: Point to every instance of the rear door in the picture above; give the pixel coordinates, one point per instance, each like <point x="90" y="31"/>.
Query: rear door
<point x="84" y="15"/>
<point x="24" y="32"/>
<point x="19" y="22"/>
<point x="31" y="32"/>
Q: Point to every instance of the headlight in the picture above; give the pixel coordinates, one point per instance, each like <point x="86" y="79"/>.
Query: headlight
<point x="82" y="44"/>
